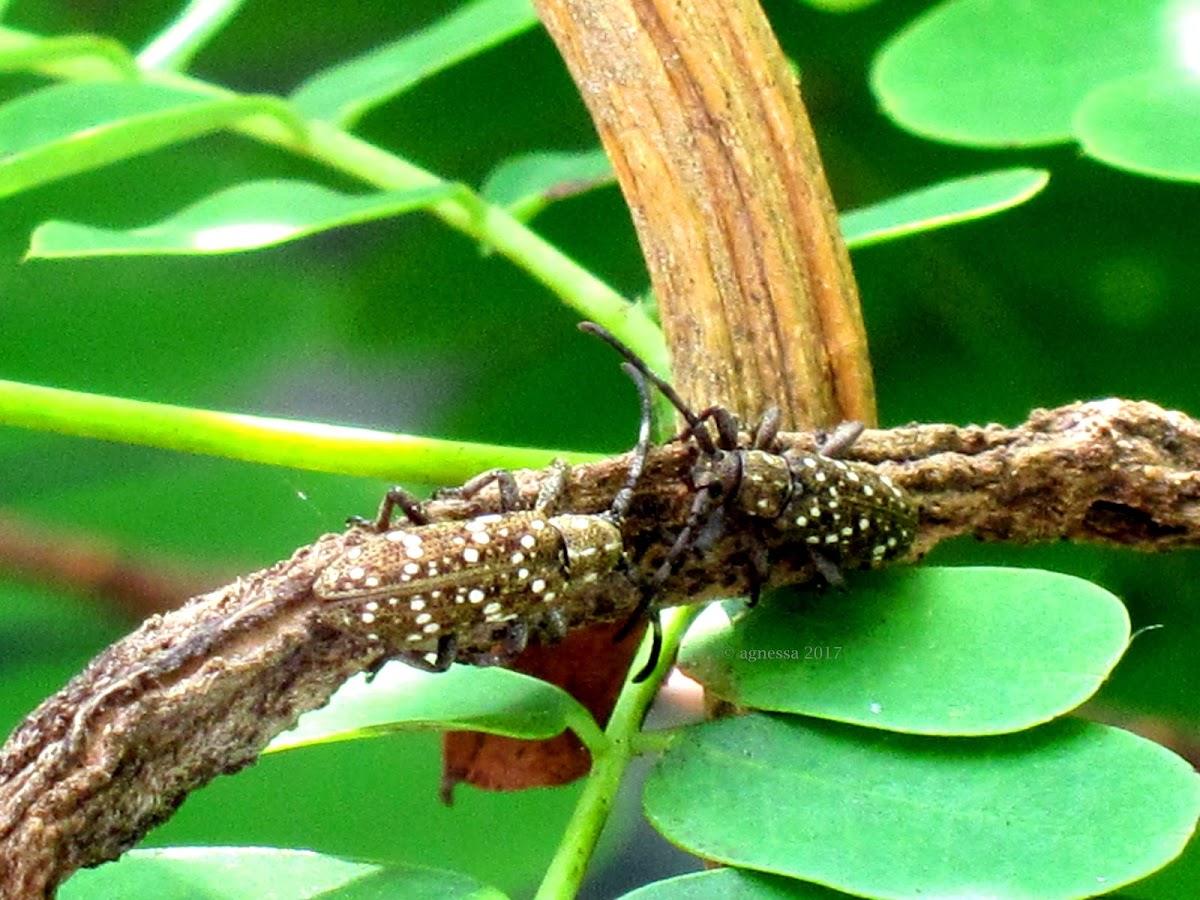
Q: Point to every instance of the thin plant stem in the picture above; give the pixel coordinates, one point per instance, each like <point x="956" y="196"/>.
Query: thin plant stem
<point x="176" y="45"/>
<point x="566" y="872"/>
<point x="284" y="442"/>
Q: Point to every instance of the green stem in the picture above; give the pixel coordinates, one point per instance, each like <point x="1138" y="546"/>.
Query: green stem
<point x="567" y="869"/>
<point x="341" y="151"/>
<point x="175" y="45"/>
<point x="283" y="442"/>
<point x="491" y="225"/>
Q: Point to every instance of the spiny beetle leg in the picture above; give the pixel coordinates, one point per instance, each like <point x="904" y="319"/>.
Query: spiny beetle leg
<point x="760" y="568"/>
<point x="442" y="658"/>
<point x="827" y="569"/>
<point x="506" y="486"/>
<point x="656" y="642"/>
<point x="834" y="444"/>
<point x="412" y="508"/>
<point x="766" y="431"/>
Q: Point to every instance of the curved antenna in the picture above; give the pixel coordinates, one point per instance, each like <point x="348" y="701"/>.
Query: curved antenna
<point x="695" y="422"/>
<point x="624" y="497"/>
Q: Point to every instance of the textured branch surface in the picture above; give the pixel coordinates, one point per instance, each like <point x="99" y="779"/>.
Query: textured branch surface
<point x="200" y="691"/>
<point x="711" y="144"/>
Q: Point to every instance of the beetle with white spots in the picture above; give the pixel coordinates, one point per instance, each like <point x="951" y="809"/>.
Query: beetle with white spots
<point x="420" y="586"/>
<point x="845" y="514"/>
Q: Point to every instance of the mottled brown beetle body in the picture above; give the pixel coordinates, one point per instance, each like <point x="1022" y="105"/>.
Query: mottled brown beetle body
<point x="845" y="511"/>
<point x="840" y="514"/>
<point x="408" y="587"/>
<point x="422" y="587"/>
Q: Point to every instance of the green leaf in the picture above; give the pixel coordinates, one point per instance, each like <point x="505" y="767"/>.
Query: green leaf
<point x="93" y="56"/>
<point x="244" y="217"/>
<point x="1011" y="72"/>
<point x="527" y="184"/>
<point x="78" y="127"/>
<point x="1148" y="123"/>
<point x="1066" y="810"/>
<point x="496" y="701"/>
<point x="251" y="873"/>
<point x="947" y="203"/>
<point x="965" y="651"/>
<point x="732" y="884"/>
<point x="345" y="92"/>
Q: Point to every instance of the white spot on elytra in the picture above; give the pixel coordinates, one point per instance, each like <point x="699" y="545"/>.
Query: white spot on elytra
<point x="802" y="521"/>
<point x="831" y="538"/>
<point x="357" y="573"/>
<point x="471" y="555"/>
<point x="368" y="618"/>
<point x="481" y="537"/>
<point x="868" y="491"/>
<point x="528" y="541"/>
<point x="819" y="477"/>
<point x="522" y="574"/>
<point x="537" y="524"/>
<point x="864" y="523"/>
<point x="416" y="604"/>
<point x="354" y="553"/>
<point x="518" y="558"/>
<point x="809" y="461"/>
<point x="423" y="618"/>
<point x="538" y="585"/>
<point x="413" y="551"/>
<point x="491" y="609"/>
<point x="476" y="595"/>
<point x="432" y="628"/>
<point x="852" y="475"/>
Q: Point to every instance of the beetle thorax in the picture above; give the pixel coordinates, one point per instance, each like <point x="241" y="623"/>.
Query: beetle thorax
<point x="593" y="545"/>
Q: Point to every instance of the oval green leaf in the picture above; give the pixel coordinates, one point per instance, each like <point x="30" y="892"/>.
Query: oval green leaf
<point x="244" y="217"/>
<point x="1148" y="123"/>
<point x="80" y="55"/>
<point x="964" y="651"/>
<point x="345" y="92"/>
<point x="527" y="184"/>
<point x="732" y="884"/>
<point x="70" y="128"/>
<point x="1010" y="72"/>
<point x="496" y="701"/>
<point x="1067" y="810"/>
<point x="940" y="205"/>
<point x="251" y="873"/>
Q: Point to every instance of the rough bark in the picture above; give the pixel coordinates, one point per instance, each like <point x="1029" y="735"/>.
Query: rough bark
<point x="199" y="692"/>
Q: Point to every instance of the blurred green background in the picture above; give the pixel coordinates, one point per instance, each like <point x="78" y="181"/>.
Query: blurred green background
<point x="405" y="325"/>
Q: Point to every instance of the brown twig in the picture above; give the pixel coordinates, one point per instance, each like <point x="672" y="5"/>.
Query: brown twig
<point x="136" y="585"/>
<point x="199" y="691"/>
<point x="702" y="119"/>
